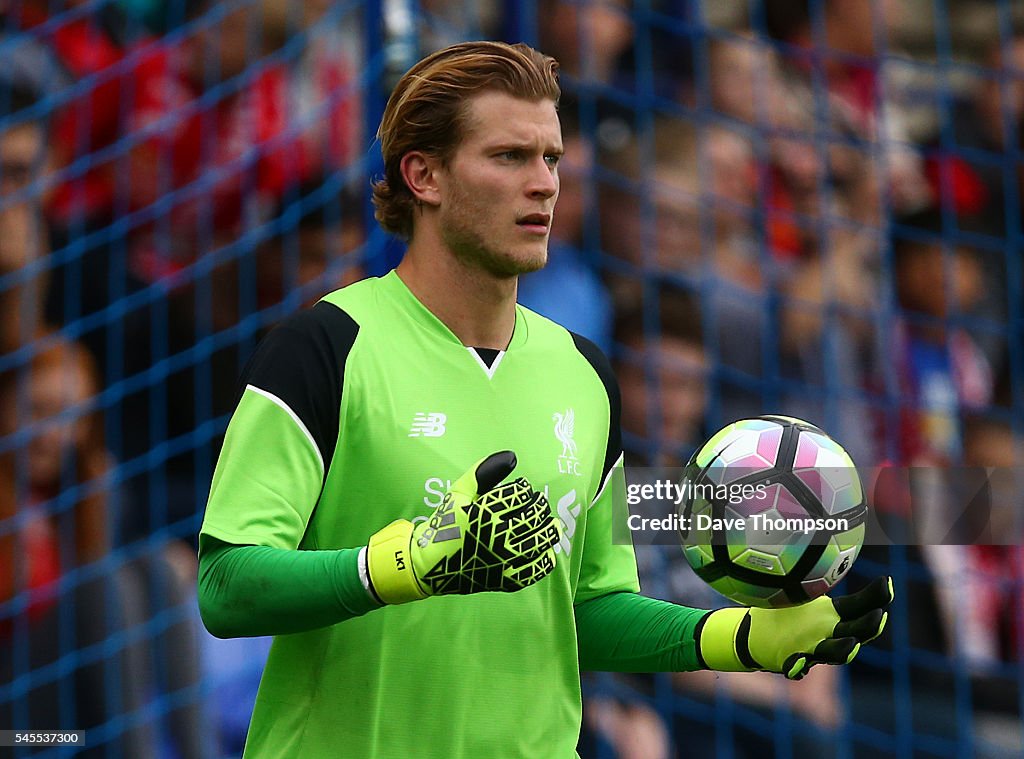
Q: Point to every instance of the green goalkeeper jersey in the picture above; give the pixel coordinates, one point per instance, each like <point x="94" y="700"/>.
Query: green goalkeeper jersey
<point x="360" y="411"/>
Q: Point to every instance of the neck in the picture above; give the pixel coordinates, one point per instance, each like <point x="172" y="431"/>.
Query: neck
<point x="479" y="308"/>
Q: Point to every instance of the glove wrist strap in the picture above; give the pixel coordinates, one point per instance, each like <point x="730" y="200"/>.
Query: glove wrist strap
<point x="389" y="564"/>
<point x="720" y="644"/>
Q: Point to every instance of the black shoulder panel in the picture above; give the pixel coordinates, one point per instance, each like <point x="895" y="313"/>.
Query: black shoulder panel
<point x="601" y="365"/>
<point x="302" y="362"/>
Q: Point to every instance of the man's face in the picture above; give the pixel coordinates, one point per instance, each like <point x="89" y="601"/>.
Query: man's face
<point x="499" y="188"/>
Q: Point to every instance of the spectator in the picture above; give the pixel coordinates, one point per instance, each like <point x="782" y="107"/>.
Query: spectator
<point x="941" y="374"/>
<point x="973" y="185"/>
<point x="68" y="507"/>
<point x="660" y="368"/>
<point x="47" y="53"/>
<point x="672" y="186"/>
<point x="54" y="51"/>
<point x="746" y="82"/>
<point x="662" y="373"/>
<point x="322" y="91"/>
<point x="596" y="43"/>
<point x="206" y="149"/>
<point x="591" y="40"/>
<point x="747" y="85"/>
<point x="829" y="314"/>
<point x="845" y="56"/>
<point x="971" y="182"/>
<point x="55" y="539"/>
<point x="938" y="374"/>
<point x="940" y="368"/>
<point x="54" y="54"/>
<point x="996" y="596"/>
<point x="718" y="251"/>
<point x="24" y="160"/>
<point x="673" y="242"/>
<point x="62" y="379"/>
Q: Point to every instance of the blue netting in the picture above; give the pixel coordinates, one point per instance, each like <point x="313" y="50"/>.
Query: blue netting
<point x="801" y="207"/>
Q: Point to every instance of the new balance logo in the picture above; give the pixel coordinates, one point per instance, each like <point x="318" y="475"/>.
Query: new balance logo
<point x="428" y="425"/>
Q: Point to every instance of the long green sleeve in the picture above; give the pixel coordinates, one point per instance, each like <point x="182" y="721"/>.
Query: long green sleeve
<point x="627" y="632"/>
<point x="246" y="591"/>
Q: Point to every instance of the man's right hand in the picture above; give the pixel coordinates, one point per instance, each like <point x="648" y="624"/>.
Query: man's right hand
<point x="483" y="537"/>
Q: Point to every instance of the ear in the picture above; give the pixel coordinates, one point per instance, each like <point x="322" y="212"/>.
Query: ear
<point x="420" y="172"/>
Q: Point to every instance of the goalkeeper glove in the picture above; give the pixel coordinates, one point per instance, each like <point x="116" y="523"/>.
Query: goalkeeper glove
<point x="483" y="536"/>
<point x="790" y="641"/>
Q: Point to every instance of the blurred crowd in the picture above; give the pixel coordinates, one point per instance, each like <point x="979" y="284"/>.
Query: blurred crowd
<point x="755" y="217"/>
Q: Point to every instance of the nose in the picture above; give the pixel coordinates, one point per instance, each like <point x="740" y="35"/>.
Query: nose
<point x="543" y="180"/>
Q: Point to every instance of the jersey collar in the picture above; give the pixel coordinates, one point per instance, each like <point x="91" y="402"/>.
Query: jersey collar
<point x="409" y="304"/>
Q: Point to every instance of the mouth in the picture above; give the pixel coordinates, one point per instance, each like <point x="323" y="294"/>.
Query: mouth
<point x="535" y="223"/>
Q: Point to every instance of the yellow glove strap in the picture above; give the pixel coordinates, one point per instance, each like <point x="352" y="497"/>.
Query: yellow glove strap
<point x="389" y="564"/>
<point x="718" y="640"/>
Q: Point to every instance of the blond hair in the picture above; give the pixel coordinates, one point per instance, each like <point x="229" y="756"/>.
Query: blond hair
<point x="427" y="111"/>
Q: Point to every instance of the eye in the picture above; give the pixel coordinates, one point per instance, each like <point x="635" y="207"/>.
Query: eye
<point x="552" y="159"/>
<point x="509" y="155"/>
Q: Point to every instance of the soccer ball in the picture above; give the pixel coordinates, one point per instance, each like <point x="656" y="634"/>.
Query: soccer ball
<point x="773" y="512"/>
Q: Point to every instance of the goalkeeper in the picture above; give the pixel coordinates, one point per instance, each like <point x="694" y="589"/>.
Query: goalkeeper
<point x="432" y="593"/>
